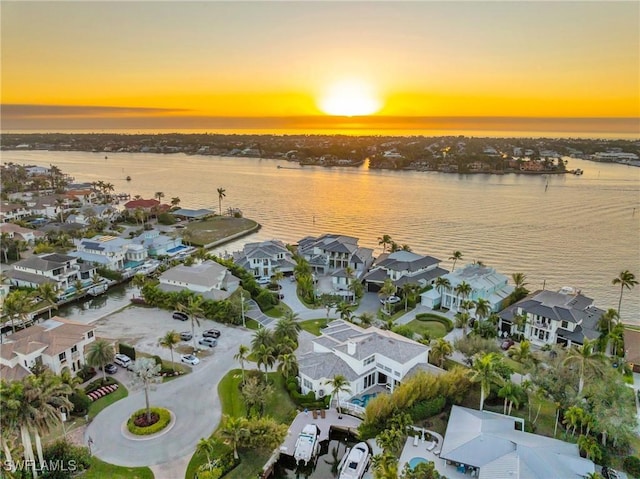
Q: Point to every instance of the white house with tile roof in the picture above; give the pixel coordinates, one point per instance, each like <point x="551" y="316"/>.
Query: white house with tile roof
<point x="403" y="267"/>
<point x="366" y="357"/>
<point x="60" y="269"/>
<point x="265" y="258"/>
<point x="564" y="317"/>
<point x="485" y="282"/>
<point x="491" y="446"/>
<point x="330" y="253"/>
<point x="209" y="279"/>
<point x="56" y="343"/>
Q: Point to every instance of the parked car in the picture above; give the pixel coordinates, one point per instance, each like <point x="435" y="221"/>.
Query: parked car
<point x="390" y="300"/>
<point x="186" y="335"/>
<point x="211" y="333"/>
<point x="180" y="316"/>
<point x="263" y="280"/>
<point x="111" y="368"/>
<point x="507" y="343"/>
<point x="209" y="342"/>
<point x="190" y="359"/>
<point x="609" y="473"/>
<point x="122" y="360"/>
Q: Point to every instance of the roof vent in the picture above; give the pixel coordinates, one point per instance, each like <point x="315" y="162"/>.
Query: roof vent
<point x="351" y="348"/>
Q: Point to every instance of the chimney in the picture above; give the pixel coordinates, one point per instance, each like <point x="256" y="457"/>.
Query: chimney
<point x="351" y="348"/>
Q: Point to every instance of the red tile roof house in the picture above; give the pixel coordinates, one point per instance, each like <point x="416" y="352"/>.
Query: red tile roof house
<point x="148" y="206"/>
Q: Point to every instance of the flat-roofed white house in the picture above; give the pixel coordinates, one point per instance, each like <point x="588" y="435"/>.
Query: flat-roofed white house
<point x="108" y="251"/>
<point x="56" y="343"/>
<point x="157" y="244"/>
<point x="366" y="357"/>
<point x="330" y="253"/>
<point x="265" y="258"/>
<point x="209" y="279"/>
<point x="485" y="282"/>
<point x="403" y="267"/>
<point x="60" y="269"/>
<point x="13" y="211"/>
<point x="489" y="446"/>
<point x="564" y="317"/>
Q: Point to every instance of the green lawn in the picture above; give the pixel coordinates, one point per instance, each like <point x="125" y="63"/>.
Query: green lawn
<point x="252" y="324"/>
<point x="314" y="326"/>
<point x="434" y="328"/>
<point x="204" y="232"/>
<point x="515" y="365"/>
<point x="279" y="406"/>
<point x="108" y="400"/>
<point x="100" y="470"/>
<point x="278" y="311"/>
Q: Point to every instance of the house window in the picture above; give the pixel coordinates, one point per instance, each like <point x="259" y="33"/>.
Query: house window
<point x="307" y="384"/>
<point x="565" y="325"/>
<point x="369" y="360"/>
<point x="90" y="334"/>
<point x="62" y="357"/>
<point x="74" y="349"/>
<point x="396" y="373"/>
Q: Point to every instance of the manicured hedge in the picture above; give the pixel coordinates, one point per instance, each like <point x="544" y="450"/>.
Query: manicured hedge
<point x="165" y="419"/>
<point x="434" y="317"/>
<point x="98" y="383"/>
<point x="308" y="400"/>
<point x="426" y="408"/>
<point x="127" y="350"/>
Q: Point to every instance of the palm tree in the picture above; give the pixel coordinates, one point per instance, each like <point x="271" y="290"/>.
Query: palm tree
<point x="587" y="361"/>
<point x="590" y="446"/>
<point x="17" y="304"/>
<point x="388" y="289"/>
<point x="138" y="281"/>
<point x="484" y="371"/>
<point x="462" y="321"/>
<point x="384" y="240"/>
<point x="221" y="194"/>
<point x="288" y="365"/>
<point x="169" y="340"/>
<point x="263" y="336"/>
<point x="208" y="448"/>
<point x="241" y="356"/>
<point x="625" y="279"/>
<point x="345" y="311"/>
<point x="287" y="327"/>
<point x="264" y="357"/>
<point x="146" y="371"/>
<point x="175" y="201"/>
<point x="99" y="354"/>
<point x="519" y="280"/>
<point x="511" y="393"/>
<point x="521" y="353"/>
<point x="4" y="244"/>
<point x="483" y="308"/>
<point x="233" y="430"/>
<point x="463" y="289"/>
<point x="49" y="293"/>
<point x="366" y="319"/>
<point x="455" y="257"/>
<point x="573" y="418"/>
<point x="338" y="384"/>
<point x="194" y="310"/>
<point x="441" y="284"/>
<point x="608" y="320"/>
<point x="440" y="350"/>
<point x="159" y="195"/>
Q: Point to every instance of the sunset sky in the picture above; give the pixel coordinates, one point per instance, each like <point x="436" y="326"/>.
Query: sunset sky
<point x="193" y="64"/>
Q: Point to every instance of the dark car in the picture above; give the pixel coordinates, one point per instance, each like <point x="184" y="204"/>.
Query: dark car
<point x="111" y="368"/>
<point x="211" y="333"/>
<point x="506" y="344"/>
<point x="180" y="315"/>
<point x="609" y="473"/>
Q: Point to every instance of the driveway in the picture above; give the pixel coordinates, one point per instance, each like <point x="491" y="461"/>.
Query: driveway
<point x="193" y="398"/>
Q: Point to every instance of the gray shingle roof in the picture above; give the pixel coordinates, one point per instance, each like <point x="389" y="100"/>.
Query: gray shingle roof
<point x="324" y="365"/>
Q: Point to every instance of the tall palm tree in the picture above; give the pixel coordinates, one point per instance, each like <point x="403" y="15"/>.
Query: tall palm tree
<point x="169" y="340"/>
<point x="241" y="356"/>
<point x="462" y="321"/>
<point x="608" y="320"/>
<point x="587" y="359"/>
<point x="511" y="393"/>
<point x="338" y="384"/>
<point x="221" y="194"/>
<point x="175" y="201"/>
<point x="441" y="284"/>
<point x="345" y="311"/>
<point x="440" y="350"/>
<point x="146" y="372"/>
<point x="625" y="279"/>
<point x="138" y="281"/>
<point x="4" y="244"/>
<point x="287" y="327"/>
<point x="159" y="195"/>
<point x="455" y="257"/>
<point x="264" y="357"/>
<point x="483" y="308"/>
<point x="208" y="448"/>
<point x="388" y="289"/>
<point x="263" y="336"/>
<point x="17" y="304"/>
<point x="288" y="365"/>
<point x="49" y="293"/>
<point x="519" y="280"/>
<point x="194" y="310"/>
<point x="522" y="353"/>
<point x="384" y="240"/>
<point x="100" y="353"/>
<point x="462" y="290"/>
<point x="484" y="371"/>
<point x="234" y="430"/>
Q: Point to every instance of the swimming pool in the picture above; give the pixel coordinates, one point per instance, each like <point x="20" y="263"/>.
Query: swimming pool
<point x="175" y="249"/>
<point x="364" y="400"/>
<point x="415" y="461"/>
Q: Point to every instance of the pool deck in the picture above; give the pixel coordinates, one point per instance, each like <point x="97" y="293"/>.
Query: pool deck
<point x="410" y="451"/>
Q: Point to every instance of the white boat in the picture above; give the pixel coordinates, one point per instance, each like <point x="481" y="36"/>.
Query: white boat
<point x="307" y="444"/>
<point x="355" y="462"/>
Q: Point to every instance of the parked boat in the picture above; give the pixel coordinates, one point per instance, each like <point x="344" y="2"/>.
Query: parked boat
<point x="98" y="289"/>
<point x="578" y="172"/>
<point x="307" y="444"/>
<point x="128" y="178"/>
<point x="355" y="462"/>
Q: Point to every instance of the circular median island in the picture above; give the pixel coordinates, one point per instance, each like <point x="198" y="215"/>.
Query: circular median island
<point x="145" y="424"/>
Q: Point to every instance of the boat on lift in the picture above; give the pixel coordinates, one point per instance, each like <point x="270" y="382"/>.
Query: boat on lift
<point x="354" y="463"/>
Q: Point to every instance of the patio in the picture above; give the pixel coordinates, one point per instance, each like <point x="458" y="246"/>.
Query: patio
<point x="423" y="448"/>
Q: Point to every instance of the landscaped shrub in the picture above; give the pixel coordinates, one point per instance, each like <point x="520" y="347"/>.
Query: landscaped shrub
<point x="631" y="464"/>
<point x="65" y="453"/>
<point x="86" y="372"/>
<point x="434" y="317"/>
<point x="158" y="360"/>
<point x="109" y="274"/>
<point x="166" y="219"/>
<point x="128" y="350"/>
<point x="266" y="300"/>
<point x="80" y="402"/>
<point x="98" y="383"/>
<point x="164" y="418"/>
<point x="427" y="408"/>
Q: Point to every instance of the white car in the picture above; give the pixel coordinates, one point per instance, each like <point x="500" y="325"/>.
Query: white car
<point x="263" y="280"/>
<point x="190" y="359"/>
<point x="390" y="300"/>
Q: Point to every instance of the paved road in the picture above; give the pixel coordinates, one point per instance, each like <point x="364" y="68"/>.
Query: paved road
<point x="193" y="399"/>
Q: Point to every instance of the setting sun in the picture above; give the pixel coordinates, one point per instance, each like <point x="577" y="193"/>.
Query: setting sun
<point x="350" y="98"/>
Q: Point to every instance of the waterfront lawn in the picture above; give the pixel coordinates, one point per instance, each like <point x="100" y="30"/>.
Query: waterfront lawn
<point x="100" y="470"/>
<point x="435" y="329"/>
<point x="200" y="233"/>
<point x="279" y="406"/>
<point x="314" y="326"/>
<point x="108" y="400"/>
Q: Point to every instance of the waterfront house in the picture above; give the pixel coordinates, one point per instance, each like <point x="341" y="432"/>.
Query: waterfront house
<point x="13" y="211"/>
<point x="565" y="317"/>
<point x="16" y="232"/>
<point x="59" y="269"/>
<point x="57" y="343"/>
<point x="265" y="258"/>
<point x="366" y="357"/>
<point x="187" y="214"/>
<point x="51" y="206"/>
<point x="485" y="282"/>
<point x="209" y="279"/>
<point x="100" y="212"/>
<point x="330" y="253"/>
<point x="157" y="244"/>
<point x="403" y="267"/>
<point x="489" y="445"/>
<point x="83" y="196"/>
<point x="108" y="251"/>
